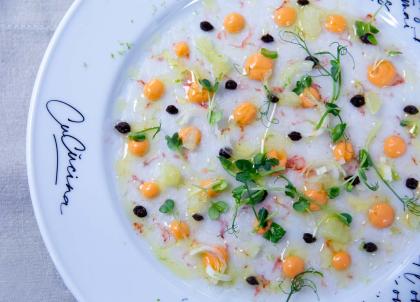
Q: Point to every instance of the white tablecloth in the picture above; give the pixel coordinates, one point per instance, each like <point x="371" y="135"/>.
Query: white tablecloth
<point x="27" y="273"/>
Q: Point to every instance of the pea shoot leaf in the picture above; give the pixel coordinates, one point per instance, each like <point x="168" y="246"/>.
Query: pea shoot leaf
<point x="167" y="207"/>
<point x="302" y="84"/>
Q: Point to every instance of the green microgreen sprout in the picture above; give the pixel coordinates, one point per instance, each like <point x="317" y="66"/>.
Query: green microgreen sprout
<point x="141" y="135"/>
<point x="213" y="116"/>
<point x="167" y="207"/>
<point x="300" y="281"/>
<point x="365" y="162"/>
<point x="217" y="208"/>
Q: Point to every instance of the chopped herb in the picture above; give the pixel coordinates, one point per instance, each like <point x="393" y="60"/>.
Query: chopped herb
<point x="207" y="85"/>
<point x="338" y="132"/>
<point x="140" y="136"/>
<point x="269" y="53"/>
<point x="366" y="32"/>
<point x="167" y="207"/>
<point x="302" y="84"/>
<point x="174" y="142"/>
<point x="345" y="218"/>
<point x="216" y="209"/>
<point x="333" y="192"/>
<point x="275" y="233"/>
<point x="393" y="53"/>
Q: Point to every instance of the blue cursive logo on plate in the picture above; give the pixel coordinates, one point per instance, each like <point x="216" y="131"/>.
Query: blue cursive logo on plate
<point x="412" y="279"/>
<point x="66" y="117"/>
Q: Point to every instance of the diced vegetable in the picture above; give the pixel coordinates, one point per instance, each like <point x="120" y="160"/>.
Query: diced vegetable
<point x="294" y="71"/>
<point x="373" y="102"/>
<point x="309" y="22"/>
<point x="170" y="176"/>
<point x="334" y="229"/>
<point x="220" y="64"/>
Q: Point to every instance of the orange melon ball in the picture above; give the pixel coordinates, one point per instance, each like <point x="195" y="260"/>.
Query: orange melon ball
<point x="341" y="261"/>
<point x="381" y="215"/>
<point x="179" y="229"/>
<point x="234" y="23"/>
<point x="285" y="16"/>
<point x="140" y="148"/>
<point x="394" y="146"/>
<point x="154" y="90"/>
<point x="182" y="49"/>
<point x="382" y="73"/>
<point x="336" y="24"/>
<point x="149" y="189"/>
<point x="343" y="151"/>
<point x="293" y="266"/>
<point x="258" y="67"/>
<point x="245" y="114"/>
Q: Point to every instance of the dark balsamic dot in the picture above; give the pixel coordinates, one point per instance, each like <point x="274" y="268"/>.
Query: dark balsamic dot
<point x="140" y="211"/>
<point x="358" y="100"/>
<point x="267" y="38"/>
<point x="410" y="109"/>
<point x="252" y="280"/>
<point x="370" y="247"/>
<point x="171" y="109"/>
<point x="309" y="238"/>
<point x="295" y="136"/>
<point x="197" y="217"/>
<point x="365" y="39"/>
<point x="411" y="183"/>
<point x="226" y="152"/>
<point x="355" y="181"/>
<point x="123" y="127"/>
<point x="303" y="2"/>
<point x="231" y="85"/>
<point x="273" y="98"/>
<point x="313" y="60"/>
<point x="206" y="26"/>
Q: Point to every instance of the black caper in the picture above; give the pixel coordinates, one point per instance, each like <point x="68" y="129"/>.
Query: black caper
<point x="358" y="100"/>
<point x="411" y="183"/>
<point x="309" y="238"/>
<point x="355" y="181"/>
<point x="273" y="98"/>
<point x="231" y="85"/>
<point x="197" y="217"/>
<point x="226" y="152"/>
<point x="206" y="26"/>
<point x="313" y="60"/>
<point x="171" y="109"/>
<point x="252" y="280"/>
<point x="295" y="136"/>
<point x="140" y="211"/>
<point x="123" y="127"/>
<point x="370" y="247"/>
<point x="303" y="2"/>
<point x="365" y="39"/>
<point x="267" y="38"/>
<point x="411" y="109"/>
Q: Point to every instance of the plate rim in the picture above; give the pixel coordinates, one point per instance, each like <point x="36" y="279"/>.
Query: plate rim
<point x="34" y="100"/>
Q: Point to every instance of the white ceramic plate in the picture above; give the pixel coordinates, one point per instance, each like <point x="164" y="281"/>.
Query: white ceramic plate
<point x="70" y="166"/>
